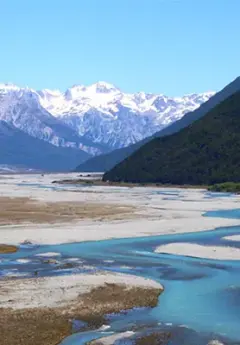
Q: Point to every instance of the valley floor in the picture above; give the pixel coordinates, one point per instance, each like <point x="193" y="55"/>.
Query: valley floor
<point x="35" y="211"/>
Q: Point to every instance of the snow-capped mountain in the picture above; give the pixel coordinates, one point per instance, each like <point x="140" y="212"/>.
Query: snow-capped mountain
<point x="95" y="118"/>
<point x="21" y="108"/>
<point x="104" y="114"/>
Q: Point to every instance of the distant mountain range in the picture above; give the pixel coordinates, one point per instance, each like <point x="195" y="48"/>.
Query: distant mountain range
<point x="12" y="169"/>
<point x="107" y="161"/>
<point x="105" y="115"/>
<point x="205" y="152"/>
<point x="20" y="149"/>
<point x="81" y="122"/>
<point x="21" y="108"/>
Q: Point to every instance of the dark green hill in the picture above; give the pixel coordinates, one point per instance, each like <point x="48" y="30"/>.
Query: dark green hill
<point x="206" y="152"/>
<point x="19" y="148"/>
<point x="108" y="161"/>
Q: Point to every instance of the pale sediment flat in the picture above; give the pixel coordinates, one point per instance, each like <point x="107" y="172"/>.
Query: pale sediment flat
<point x="92" y="231"/>
<point x="110" y="339"/>
<point x="60" y="291"/>
<point x="49" y="254"/>
<point x="65" y="214"/>
<point x="40" y="311"/>
<point x="232" y="238"/>
<point x="20" y="210"/>
<point x="200" y="251"/>
<point x="134" y="212"/>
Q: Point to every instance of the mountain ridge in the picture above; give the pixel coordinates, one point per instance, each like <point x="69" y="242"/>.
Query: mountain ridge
<point x="96" y="118"/>
<point x="18" y="148"/>
<point x="107" y="161"/>
<point x="92" y="120"/>
<point x="103" y="113"/>
<point x="205" y="152"/>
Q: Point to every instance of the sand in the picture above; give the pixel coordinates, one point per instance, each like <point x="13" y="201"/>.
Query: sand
<point x="42" y="309"/>
<point x="25" y="210"/>
<point x="62" y="214"/>
<point x="232" y="238"/>
<point x="92" y="231"/>
<point x="199" y="251"/>
<point x="110" y="339"/>
<point x="112" y="212"/>
<point x="61" y="290"/>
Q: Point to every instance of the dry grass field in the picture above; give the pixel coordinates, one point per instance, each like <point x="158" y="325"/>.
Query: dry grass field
<point x="21" y="210"/>
<point x="7" y="249"/>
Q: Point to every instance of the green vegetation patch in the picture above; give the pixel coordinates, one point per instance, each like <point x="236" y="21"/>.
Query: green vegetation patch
<point x="206" y="152"/>
<point x="155" y="338"/>
<point x="227" y="187"/>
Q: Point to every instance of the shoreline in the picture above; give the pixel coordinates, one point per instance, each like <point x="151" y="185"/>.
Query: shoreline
<point x="200" y="251"/>
<point x="89" y="180"/>
<point x="99" y="182"/>
<point x="138" y="212"/>
<point x="36" y="234"/>
<point x="50" y="304"/>
<point x="62" y="291"/>
<point x="104" y="212"/>
<point x="232" y="238"/>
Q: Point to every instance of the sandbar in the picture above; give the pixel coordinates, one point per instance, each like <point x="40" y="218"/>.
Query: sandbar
<point x="200" y="251"/>
<point x="39" y="311"/>
<point x="40" y="214"/>
<point x="232" y="238"/>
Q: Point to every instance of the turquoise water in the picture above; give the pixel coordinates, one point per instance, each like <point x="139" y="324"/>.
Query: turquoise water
<point x="201" y="300"/>
<point x="235" y="214"/>
<point x="202" y="294"/>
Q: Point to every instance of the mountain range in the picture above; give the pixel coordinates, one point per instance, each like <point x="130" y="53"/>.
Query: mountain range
<point x="21" y="150"/>
<point x="107" y="161"/>
<point x="86" y="120"/>
<point x="207" y="151"/>
<point x="103" y="114"/>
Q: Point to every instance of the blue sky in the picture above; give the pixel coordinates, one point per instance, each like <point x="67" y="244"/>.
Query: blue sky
<point x="164" y="46"/>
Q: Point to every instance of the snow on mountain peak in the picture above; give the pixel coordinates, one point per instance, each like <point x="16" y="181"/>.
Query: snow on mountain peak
<point x="103" y="87"/>
<point x="107" y="115"/>
<point x="8" y="87"/>
<point x="100" y="112"/>
<point x="77" y="91"/>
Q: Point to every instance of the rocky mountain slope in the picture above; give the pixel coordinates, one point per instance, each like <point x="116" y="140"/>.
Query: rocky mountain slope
<point x="107" y="161"/>
<point x="21" y="108"/>
<point x="206" y="152"/>
<point x="19" y="149"/>
<point x="96" y="119"/>
<point x="104" y="114"/>
<point x="92" y="120"/>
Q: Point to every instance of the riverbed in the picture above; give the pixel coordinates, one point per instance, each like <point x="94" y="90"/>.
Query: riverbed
<point x="201" y="295"/>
